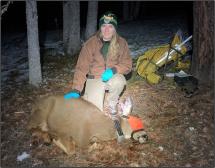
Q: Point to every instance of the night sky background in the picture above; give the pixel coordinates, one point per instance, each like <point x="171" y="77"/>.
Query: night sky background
<point x="14" y="19"/>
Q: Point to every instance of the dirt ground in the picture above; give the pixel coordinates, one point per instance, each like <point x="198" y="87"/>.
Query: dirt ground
<point x="180" y="129"/>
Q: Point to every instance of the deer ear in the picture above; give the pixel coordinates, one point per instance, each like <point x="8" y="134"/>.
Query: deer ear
<point x="128" y="102"/>
<point x="127" y="106"/>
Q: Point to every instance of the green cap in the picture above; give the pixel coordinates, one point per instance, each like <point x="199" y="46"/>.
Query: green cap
<point x="108" y="18"/>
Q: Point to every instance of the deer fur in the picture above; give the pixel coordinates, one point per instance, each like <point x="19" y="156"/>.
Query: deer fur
<point x="73" y="120"/>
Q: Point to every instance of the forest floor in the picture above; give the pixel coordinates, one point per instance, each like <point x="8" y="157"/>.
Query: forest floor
<point x="180" y="129"/>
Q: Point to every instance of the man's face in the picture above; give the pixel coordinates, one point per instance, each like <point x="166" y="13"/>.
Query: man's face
<point x="108" y="31"/>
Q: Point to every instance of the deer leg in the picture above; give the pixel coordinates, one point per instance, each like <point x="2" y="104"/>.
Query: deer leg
<point x="65" y="144"/>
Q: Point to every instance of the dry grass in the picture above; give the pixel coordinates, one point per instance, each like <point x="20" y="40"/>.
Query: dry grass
<point x="180" y="129"/>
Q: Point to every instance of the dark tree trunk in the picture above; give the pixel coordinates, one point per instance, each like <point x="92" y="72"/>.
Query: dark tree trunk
<point x="203" y="41"/>
<point x="136" y="9"/>
<point x="71" y="27"/>
<point x="35" y="75"/>
<point x="125" y="11"/>
<point x="92" y="12"/>
<point x="66" y="24"/>
<point x="132" y="10"/>
<point x="74" y="34"/>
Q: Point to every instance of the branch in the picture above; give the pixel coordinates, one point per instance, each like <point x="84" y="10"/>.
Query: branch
<point x="4" y="7"/>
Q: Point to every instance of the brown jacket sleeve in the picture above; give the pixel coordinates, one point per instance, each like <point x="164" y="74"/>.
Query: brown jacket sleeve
<point x="125" y="61"/>
<point x="82" y="68"/>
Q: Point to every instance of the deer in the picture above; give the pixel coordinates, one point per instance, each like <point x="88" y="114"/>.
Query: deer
<point x="75" y="122"/>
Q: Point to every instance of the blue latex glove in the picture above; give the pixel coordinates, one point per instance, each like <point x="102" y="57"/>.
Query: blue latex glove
<point x="107" y="74"/>
<point x="71" y="95"/>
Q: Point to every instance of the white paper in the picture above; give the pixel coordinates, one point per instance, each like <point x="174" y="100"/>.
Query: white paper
<point x="23" y="156"/>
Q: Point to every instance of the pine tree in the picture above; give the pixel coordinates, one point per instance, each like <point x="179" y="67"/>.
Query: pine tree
<point x="35" y="75"/>
<point x="203" y="40"/>
<point x="92" y="12"/>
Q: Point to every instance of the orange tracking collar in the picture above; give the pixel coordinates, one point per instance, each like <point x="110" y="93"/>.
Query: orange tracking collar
<point x="135" y="123"/>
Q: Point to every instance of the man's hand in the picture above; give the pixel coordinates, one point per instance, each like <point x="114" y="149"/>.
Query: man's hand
<point x="71" y="95"/>
<point x="107" y="75"/>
